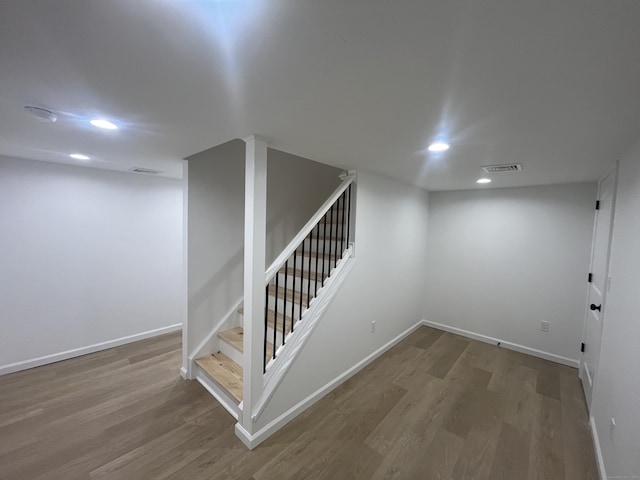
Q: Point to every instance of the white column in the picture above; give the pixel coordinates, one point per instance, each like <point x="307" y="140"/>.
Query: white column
<point x="185" y="371"/>
<point x="255" y="225"/>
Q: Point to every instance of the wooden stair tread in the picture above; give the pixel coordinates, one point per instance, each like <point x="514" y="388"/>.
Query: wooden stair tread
<point x="271" y="317"/>
<point x="332" y="239"/>
<point x="224" y="371"/>
<point x="314" y="255"/>
<point x="234" y="337"/>
<point x="298" y="273"/>
<point x="296" y="294"/>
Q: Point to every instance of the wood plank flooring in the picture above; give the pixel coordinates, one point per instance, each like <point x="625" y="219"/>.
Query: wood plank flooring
<point x="436" y="406"/>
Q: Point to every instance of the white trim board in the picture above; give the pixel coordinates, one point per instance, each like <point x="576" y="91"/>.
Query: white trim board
<point x="511" y="346"/>
<point x="597" y="449"/>
<point x="77" y="352"/>
<point x="252" y="441"/>
<point x="185" y="371"/>
<point x="218" y="393"/>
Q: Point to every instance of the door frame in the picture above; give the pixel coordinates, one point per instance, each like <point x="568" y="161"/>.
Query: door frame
<point x="581" y="369"/>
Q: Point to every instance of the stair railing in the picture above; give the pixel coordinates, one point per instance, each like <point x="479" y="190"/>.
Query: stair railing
<point x="292" y="264"/>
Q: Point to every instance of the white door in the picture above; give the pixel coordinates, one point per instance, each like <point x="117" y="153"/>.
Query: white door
<point x="598" y="285"/>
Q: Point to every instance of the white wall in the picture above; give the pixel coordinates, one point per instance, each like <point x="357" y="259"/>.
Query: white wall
<point x="617" y="387"/>
<point x="216" y="236"/>
<point x="296" y="188"/>
<point x="87" y="256"/>
<point x="502" y="260"/>
<point x="385" y="286"/>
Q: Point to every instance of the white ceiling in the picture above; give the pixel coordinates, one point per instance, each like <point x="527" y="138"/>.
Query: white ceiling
<point x="551" y="84"/>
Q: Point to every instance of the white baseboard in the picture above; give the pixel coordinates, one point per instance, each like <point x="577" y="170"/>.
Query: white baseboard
<point x="571" y="362"/>
<point x="252" y="441"/>
<point x="597" y="449"/>
<point x="245" y="437"/>
<point x="77" y="352"/>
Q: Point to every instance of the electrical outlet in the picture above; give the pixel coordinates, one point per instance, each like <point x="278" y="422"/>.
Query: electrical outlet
<point x="612" y="429"/>
<point x="544" y="326"/>
<point x="373" y="326"/>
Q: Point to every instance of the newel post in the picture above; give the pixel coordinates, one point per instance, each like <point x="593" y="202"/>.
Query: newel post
<point x="255" y="223"/>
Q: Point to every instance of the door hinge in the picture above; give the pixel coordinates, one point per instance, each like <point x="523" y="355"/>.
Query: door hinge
<point x="582" y="345"/>
<point x="590" y="278"/>
<point x="597" y="204"/>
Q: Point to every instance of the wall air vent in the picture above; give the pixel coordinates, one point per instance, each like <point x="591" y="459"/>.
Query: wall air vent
<point x="507" y="167"/>
<point x="146" y="171"/>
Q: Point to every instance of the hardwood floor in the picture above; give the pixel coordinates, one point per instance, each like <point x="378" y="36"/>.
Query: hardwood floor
<point x="436" y="406"/>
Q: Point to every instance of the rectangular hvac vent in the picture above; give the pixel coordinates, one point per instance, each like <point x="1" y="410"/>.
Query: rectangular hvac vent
<point x="507" y="167"/>
<point x="146" y="171"/>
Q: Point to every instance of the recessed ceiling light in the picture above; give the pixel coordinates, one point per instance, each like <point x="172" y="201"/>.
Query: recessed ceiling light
<point x="102" y="123"/>
<point x="483" y="180"/>
<point x="79" y="156"/>
<point x="438" y="147"/>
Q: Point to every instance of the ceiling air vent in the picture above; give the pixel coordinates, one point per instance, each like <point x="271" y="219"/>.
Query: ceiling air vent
<point x="507" y="167"/>
<point x="146" y="171"/>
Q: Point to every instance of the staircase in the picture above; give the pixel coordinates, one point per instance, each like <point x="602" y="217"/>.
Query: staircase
<point x="298" y="287"/>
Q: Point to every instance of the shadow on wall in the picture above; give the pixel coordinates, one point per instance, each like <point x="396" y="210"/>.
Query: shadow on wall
<point x="281" y="229"/>
<point x="296" y="188"/>
<point x="221" y="289"/>
<point x="227" y="280"/>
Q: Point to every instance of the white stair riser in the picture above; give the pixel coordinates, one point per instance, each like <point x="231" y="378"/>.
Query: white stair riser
<point x="328" y="263"/>
<point x="279" y="333"/>
<point x="233" y="352"/>
<point x="230" y="351"/>
<point x="287" y="306"/>
<point x="334" y="230"/>
<point x="331" y="246"/>
<point x="337" y="225"/>
<point x="300" y="286"/>
<point x="282" y="306"/>
<point x="304" y="285"/>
